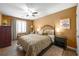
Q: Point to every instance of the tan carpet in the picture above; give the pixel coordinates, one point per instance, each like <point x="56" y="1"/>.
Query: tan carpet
<point x="14" y="50"/>
<point x="69" y="52"/>
<point x="54" y="51"/>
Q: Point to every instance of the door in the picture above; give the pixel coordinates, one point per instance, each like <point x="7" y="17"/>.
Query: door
<point x="77" y="23"/>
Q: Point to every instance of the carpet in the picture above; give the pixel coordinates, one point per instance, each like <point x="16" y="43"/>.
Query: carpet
<point x="54" y="51"/>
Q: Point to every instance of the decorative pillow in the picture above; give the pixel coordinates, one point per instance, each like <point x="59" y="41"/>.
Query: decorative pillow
<point x="51" y="32"/>
<point x="48" y="32"/>
<point x="39" y="32"/>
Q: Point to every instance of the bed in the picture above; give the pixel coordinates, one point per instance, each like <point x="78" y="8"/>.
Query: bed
<point x="33" y="44"/>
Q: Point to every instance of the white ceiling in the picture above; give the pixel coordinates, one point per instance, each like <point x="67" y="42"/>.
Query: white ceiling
<point x="43" y="9"/>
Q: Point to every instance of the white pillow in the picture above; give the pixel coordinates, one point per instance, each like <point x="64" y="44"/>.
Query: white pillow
<point x="40" y="32"/>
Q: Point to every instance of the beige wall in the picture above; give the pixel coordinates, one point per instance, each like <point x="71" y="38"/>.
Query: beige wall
<point x="29" y="24"/>
<point x="54" y="19"/>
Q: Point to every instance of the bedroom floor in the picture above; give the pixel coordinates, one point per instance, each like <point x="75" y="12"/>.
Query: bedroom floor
<point x="14" y="50"/>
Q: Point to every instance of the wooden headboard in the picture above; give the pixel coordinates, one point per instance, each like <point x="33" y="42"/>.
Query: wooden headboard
<point x="48" y="28"/>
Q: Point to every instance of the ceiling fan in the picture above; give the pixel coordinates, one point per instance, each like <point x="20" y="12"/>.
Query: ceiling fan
<point x="31" y="12"/>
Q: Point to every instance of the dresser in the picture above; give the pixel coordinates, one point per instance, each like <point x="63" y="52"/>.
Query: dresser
<point x="5" y="36"/>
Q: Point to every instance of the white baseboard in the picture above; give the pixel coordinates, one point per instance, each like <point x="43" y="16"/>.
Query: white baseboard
<point x="72" y="48"/>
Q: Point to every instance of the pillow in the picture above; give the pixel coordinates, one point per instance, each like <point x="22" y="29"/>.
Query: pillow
<point x="40" y="32"/>
<point x="45" y="32"/>
<point x="48" y="32"/>
<point x="51" y="32"/>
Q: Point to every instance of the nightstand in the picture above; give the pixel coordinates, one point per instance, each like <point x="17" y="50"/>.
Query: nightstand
<point x="61" y="42"/>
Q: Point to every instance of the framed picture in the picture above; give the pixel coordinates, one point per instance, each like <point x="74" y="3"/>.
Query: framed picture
<point x="65" y="23"/>
<point x="5" y="22"/>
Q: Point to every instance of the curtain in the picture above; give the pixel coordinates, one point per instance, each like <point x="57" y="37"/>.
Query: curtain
<point x="21" y="26"/>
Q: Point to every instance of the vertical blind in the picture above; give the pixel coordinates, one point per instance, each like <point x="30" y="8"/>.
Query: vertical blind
<point x="21" y="26"/>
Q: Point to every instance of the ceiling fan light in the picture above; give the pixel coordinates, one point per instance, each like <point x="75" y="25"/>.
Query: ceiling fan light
<point x="27" y="15"/>
<point x="35" y="13"/>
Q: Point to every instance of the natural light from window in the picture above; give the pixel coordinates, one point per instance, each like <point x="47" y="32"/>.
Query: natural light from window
<point x="21" y="26"/>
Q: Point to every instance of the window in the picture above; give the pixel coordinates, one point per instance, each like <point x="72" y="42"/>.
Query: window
<point x="20" y="26"/>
